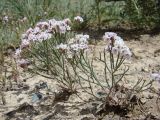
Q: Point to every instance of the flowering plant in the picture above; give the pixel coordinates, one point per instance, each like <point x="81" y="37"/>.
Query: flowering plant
<point x="52" y="49"/>
<point x="116" y="93"/>
<point x="67" y="58"/>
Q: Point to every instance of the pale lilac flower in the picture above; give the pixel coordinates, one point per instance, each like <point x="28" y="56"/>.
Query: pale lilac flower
<point x="80" y="42"/>
<point x="60" y="27"/>
<point x="25" y="43"/>
<point x="17" y="53"/>
<point x="116" y="45"/>
<point x="30" y="30"/>
<point x="79" y="36"/>
<point x="78" y="19"/>
<point x="126" y="53"/>
<point x="82" y="39"/>
<point x="83" y="46"/>
<point x="32" y="37"/>
<point x="115" y="50"/>
<point x="23" y="63"/>
<point x="42" y="25"/>
<point x="109" y="35"/>
<point x="36" y="30"/>
<point x="51" y="22"/>
<point x="86" y="36"/>
<point x="43" y="36"/>
<point x="62" y="46"/>
<point x="118" y="41"/>
<point x="75" y="47"/>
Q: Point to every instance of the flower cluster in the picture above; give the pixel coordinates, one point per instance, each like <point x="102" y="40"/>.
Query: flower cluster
<point x="23" y="63"/>
<point x="156" y="76"/>
<point x="109" y="35"/>
<point x="81" y="39"/>
<point x="44" y="31"/>
<point x="116" y="45"/>
<point x="47" y="29"/>
<point x="79" y="43"/>
<point x="78" y="19"/>
<point x="17" y="54"/>
<point x="20" y="61"/>
<point x="62" y="47"/>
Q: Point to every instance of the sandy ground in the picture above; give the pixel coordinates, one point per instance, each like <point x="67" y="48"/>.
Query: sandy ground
<point x="19" y="104"/>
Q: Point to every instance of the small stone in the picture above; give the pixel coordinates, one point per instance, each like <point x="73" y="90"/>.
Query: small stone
<point x="141" y="117"/>
<point x="128" y="116"/>
<point x="144" y="70"/>
<point x="143" y="100"/>
<point x="150" y="96"/>
<point x="88" y="117"/>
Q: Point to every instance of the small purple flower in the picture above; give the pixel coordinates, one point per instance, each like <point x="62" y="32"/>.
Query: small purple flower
<point x="23" y="63"/>
<point x="109" y="35"/>
<point x="78" y="19"/>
